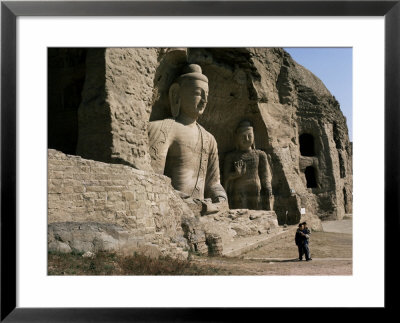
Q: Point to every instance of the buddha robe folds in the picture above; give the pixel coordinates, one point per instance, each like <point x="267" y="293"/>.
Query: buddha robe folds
<point x="190" y="161"/>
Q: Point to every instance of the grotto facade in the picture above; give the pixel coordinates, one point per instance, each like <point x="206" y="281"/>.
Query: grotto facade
<point x="104" y="191"/>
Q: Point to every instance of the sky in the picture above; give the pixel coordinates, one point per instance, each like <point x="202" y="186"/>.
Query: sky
<point x="334" y="67"/>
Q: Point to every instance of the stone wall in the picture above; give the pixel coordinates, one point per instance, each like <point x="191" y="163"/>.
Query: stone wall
<point x="95" y="206"/>
<point x="129" y="209"/>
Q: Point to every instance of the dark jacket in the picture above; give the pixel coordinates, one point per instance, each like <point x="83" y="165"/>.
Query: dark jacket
<point x="298" y="238"/>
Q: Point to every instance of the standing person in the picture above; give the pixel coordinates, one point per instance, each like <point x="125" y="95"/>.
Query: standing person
<point x="299" y="237"/>
<point x="306" y="238"/>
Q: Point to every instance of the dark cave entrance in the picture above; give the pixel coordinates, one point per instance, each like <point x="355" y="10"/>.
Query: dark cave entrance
<point x="346" y="207"/>
<point x="310" y="177"/>
<point x="307" y="145"/>
<point x="66" y="77"/>
<point x="342" y="167"/>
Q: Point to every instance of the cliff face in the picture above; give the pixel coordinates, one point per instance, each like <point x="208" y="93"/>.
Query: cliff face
<point x="297" y="122"/>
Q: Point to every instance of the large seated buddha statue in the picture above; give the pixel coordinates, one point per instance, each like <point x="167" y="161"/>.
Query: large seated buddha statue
<point x="182" y="149"/>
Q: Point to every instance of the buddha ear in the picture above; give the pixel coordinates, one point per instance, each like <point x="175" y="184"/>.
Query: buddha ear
<point x="174" y="99"/>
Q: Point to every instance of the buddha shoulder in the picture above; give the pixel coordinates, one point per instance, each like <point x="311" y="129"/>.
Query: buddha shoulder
<point x="160" y="130"/>
<point x="261" y="153"/>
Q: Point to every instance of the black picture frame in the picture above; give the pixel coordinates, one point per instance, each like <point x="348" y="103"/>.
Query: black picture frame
<point x="10" y="10"/>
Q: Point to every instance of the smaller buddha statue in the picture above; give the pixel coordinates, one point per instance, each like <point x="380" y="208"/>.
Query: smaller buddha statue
<point x="246" y="177"/>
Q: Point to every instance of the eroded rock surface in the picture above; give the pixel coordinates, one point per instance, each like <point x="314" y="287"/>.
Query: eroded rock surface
<point x="102" y="100"/>
<point x="296" y="121"/>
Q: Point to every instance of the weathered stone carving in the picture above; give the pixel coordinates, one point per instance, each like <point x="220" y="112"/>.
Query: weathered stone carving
<point x="246" y="179"/>
<point x="117" y="90"/>
<point x="182" y="149"/>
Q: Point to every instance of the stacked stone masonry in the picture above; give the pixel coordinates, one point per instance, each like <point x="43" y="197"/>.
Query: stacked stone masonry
<point x="141" y="203"/>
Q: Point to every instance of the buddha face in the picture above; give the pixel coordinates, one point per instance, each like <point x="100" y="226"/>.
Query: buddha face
<point x="193" y="98"/>
<point x="245" y="138"/>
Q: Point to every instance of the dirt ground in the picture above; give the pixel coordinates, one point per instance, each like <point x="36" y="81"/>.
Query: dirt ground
<point x="331" y="253"/>
<point x="322" y="245"/>
<point x="316" y="267"/>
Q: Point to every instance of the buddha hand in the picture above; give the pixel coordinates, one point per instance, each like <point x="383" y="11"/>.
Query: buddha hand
<point x="240" y="167"/>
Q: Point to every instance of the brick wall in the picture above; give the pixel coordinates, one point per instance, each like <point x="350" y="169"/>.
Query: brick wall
<point x="119" y="199"/>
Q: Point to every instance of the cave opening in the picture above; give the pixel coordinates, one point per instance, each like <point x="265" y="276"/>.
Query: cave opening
<point x="307" y="145"/>
<point x="310" y="177"/>
<point x="342" y="167"/>
<point x="66" y="78"/>
<point x="346" y="208"/>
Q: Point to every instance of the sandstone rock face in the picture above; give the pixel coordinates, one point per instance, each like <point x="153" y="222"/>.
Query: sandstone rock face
<point x="285" y="102"/>
<point x="238" y="223"/>
<point x="100" y="105"/>
<point x="116" y="104"/>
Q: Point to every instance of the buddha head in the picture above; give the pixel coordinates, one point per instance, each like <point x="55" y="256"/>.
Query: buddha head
<point x="244" y="136"/>
<point x="188" y="94"/>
